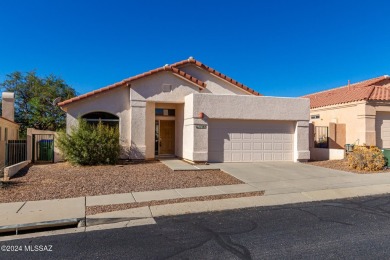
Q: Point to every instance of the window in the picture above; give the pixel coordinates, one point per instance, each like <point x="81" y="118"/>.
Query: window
<point x="106" y="118"/>
<point x="6" y="134"/>
<point x="165" y="112"/>
<point x="0" y="134"/>
<point x="315" y="116"/>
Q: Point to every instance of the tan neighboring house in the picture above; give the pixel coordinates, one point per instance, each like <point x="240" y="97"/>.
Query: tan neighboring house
<point x="192" y="111"/>
<point x="9" y="130"/>
<point x="362" y="110"/>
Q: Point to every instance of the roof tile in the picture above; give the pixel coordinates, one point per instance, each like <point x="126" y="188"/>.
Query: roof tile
<point x="371" y="89"/>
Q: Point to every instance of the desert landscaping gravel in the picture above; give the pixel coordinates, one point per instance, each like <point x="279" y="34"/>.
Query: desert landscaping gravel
<point x="62" y="180"/>
<point x="342" y="165"/>
<point x="108" y="208"/>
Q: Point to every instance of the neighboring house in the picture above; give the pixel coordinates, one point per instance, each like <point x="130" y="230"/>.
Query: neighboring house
<point x="362" y="109"/>
<point x="9" y="130"/>
<point x="190" y="110"/>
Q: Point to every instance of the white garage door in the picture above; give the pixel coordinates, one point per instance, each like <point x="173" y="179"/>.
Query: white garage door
<point x="250" y="141"/>
<point x="382" y="129"/>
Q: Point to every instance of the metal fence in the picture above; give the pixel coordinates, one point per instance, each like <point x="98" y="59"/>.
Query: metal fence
<point x="321" y="139"/>
<point x="15" y="152"/>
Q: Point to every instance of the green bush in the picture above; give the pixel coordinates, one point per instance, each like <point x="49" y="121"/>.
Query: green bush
<point x="90" y="144"/>
<point x="367" y="159"/>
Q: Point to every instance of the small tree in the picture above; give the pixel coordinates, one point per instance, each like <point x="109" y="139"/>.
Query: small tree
<point x="34" y="97"/>
<point x="89" y="144"/>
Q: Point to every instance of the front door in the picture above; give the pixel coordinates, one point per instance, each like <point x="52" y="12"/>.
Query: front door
<point x="167" y="137"/>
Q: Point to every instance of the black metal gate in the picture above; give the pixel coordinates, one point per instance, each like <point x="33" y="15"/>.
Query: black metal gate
<point x="43" y="148"/>
<point x="321" y="137"/>
<point x="15" y="152"/>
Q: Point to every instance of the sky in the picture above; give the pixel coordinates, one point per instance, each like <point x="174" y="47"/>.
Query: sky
<point x="278" y="48"/>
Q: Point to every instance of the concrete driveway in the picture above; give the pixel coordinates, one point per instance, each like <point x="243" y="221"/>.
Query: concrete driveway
<point x="289" y="177"/>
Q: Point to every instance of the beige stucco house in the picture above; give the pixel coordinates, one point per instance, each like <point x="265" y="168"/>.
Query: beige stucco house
<point x="9" y="130"/>
<point x="192" y="111"/>
<point x="363" y="108"/>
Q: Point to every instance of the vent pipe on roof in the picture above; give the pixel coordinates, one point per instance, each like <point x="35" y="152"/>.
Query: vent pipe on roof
<point x="349" y="84"/>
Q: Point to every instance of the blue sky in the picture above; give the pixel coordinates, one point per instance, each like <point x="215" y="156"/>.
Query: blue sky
<point x="279" y="48"/>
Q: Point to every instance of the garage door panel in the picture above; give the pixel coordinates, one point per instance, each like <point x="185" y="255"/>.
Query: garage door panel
<point x="382" y="129"/>
<point x="278" y="157"/>
<point x="277" y="137"/>
<point x="247" y="146"/>
<point x="236" y="157"/>
<point x="257" y="146"/>
<point x="288" y="146"/>
<point x="268" y="156"/>
<point x="288" y="156"/>
<point x="256" y="157"/>
<point x="246" y="136"/>
<point x="267" y="147"/>
<point x="246" y="141"/>
<point x="257" y="136"/>
<point x="246" y="157"/>
<point x="236" y="136"/>
<point x="237" y="146"/>
<point x="277" y="147"/>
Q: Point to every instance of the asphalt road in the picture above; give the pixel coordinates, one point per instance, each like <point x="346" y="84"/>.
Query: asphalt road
<point x="347" y="229"/>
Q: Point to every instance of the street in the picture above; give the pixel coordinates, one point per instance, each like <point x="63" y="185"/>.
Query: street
<point x="350" y="229"/>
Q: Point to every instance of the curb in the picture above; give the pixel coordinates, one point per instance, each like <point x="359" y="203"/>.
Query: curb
<point x="267" y="200"/>
<point x="39" y="225"/>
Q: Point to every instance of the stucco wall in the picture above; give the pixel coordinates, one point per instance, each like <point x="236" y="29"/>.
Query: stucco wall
<point x="115" y="101"/>
<point x="249" y="107"/>
<point x="215" y="85"/>
<point x="30" y="132"/>
<point x="322" y="154"/>
<point x="151" y="88"/>
<point x="13" y="134"/>
<point x="150" y="131"/>
<point x="353" y="115"/>
<point x="242" y="107"/>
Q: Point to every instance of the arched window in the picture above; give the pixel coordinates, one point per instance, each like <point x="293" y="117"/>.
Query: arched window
<point x="105" y="118"/>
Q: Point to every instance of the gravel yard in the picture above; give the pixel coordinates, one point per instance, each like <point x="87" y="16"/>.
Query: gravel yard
<point x="108" y="208"/>
<point x="341" y="165"/>
<point x="61" y="180"/>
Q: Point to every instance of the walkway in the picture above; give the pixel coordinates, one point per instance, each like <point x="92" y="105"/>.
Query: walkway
<point x="180" y="165"/>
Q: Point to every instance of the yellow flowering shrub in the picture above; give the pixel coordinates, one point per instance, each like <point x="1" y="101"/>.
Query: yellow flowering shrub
<point x="367" y="159"/>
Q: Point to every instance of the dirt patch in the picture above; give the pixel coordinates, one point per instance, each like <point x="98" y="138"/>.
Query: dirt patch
<point x="342" y="165"/>
<point x="109" y="208"/>
<point x="62" y="180"/>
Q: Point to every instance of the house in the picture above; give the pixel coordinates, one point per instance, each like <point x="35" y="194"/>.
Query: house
<point x="362" y="110"/>
<point x="9" y="130"/>
<point x="192" y="111"/>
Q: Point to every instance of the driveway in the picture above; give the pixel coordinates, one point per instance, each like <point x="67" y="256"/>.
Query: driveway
<point x="288" y="177"/>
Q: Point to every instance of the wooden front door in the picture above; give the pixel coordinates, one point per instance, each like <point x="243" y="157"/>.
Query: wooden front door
<point x="167" y="137"/>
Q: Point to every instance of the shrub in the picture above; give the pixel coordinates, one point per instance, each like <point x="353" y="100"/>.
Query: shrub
<point x="90" y="144"/>
<point x="367" y="159"/>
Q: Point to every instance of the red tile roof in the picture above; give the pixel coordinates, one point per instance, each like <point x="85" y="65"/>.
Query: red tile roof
<point x="172" y="68"/>
<point x="175" y="71"/>
<point x="216" y="73"/>
<point x="371" y="89"/>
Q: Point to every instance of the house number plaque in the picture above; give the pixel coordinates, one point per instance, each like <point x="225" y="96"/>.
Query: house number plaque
<point x="201" y="126"/>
